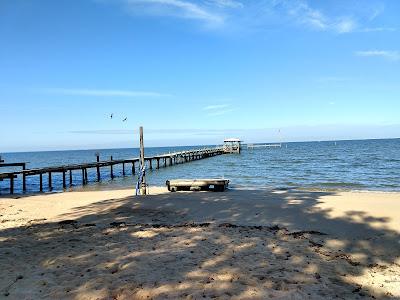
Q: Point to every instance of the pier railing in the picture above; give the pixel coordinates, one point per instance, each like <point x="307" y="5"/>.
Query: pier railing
<point x="162" y="160"/>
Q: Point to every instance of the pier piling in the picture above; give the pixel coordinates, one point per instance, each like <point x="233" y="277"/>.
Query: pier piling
<point x="111" y="168"/>
<point x="97" y="167"/>
<point x="50" y="183"/>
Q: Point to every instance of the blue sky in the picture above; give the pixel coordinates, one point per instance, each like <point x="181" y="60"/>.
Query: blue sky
<point x="195" y="72"/>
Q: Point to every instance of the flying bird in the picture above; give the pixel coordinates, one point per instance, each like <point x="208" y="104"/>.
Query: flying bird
<point x="124" y="119"/>
<point x="111" y="116"/>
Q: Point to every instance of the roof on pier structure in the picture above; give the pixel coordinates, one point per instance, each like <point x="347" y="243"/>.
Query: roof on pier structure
<point x="231" y="140"/>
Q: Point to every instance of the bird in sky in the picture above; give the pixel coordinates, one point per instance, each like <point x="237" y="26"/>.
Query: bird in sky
<point x="111" y="116"/>
<point x="124" y="119"/>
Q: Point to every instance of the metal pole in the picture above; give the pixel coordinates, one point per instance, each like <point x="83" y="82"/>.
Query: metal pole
<point x="142" y="162"/>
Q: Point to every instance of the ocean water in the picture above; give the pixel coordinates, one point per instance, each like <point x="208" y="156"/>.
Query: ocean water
<point x="342" y="165"/>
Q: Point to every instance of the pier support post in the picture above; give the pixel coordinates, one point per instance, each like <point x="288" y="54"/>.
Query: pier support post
<point x="86" y="177"/>
<point x="12" y="184"/>
<point x="64" y="181"/>
<point x="151" y="164"/>
<point x="111" y="168"/>
<point x="83" y="176"/>
<point x="98" y="168"/>
<point x="165" y="162"/>
<point x="50" y="183"/>
<point x="158" y="163"/>
<point x="24" y="178"/>
<point x="41" y="182"/>
<point x="133" y="168"/>
<point x="70" y="177"/>
<point x="123" y="169"/>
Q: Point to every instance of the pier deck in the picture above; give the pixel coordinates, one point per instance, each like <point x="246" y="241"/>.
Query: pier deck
<point x="252" y="146"/>
<point x="163" y="160"/>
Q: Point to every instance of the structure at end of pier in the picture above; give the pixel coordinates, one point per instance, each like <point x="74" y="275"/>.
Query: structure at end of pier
<point x="232" y="145"/>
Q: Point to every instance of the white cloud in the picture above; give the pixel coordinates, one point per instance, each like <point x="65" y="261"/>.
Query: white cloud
<point x="220" y="112"/>
<point x="345" y="26"/>
<point x="378" y="29"/>
<point x="102" y="93"/>
<point x="390" y="55"/>
<point x="304" y="14"/>
<point x="260" y="13"/>
<point x="218" y="109"/>
<point x="333" y="79"/>
<point x="216" y="106"/>
<point x="226" y="3"/>
<point x="176" y="8"/>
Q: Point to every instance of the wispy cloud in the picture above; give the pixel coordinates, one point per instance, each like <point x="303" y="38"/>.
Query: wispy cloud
<point x="218" y="109"/>
<point x="220" y="112"/>
<point x="101" y="93"/>
<point x="333" y="79"/>
<point x="302" y="13"/>
<point x="178" y="8"/>
<point x="227" y="3"/>
<point x="216" y="106"/>
<point x="389" y="55"/>
<point x="194" y="131"/>
<point x="260" y="13"/>
<point x="378" y="29"/>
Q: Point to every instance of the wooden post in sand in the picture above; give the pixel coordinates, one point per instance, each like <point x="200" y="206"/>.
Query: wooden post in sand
<point x="141" y="165"/>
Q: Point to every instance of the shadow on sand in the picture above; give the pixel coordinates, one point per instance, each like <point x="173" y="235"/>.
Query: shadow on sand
<point x="244" y="244"/>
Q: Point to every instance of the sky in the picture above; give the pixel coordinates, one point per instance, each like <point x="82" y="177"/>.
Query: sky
<point x="196" y="72"/>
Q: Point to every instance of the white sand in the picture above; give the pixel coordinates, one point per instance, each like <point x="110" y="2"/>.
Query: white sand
<point x="124" y="247"/>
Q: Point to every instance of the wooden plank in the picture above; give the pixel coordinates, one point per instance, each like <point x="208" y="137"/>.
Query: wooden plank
<point x="197" y="184"/>
<point x="20" y="164"/>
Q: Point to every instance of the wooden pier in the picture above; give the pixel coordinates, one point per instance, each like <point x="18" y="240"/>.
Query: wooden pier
<point x="253" y="146"/>
<point x="156" y="162"/>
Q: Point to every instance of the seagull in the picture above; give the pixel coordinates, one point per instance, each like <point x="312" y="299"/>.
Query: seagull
<point x="111" y="116"/>
<point x="124" y="119"/>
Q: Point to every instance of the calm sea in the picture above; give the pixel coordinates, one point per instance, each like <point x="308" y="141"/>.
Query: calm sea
<point x="354" y="165"/>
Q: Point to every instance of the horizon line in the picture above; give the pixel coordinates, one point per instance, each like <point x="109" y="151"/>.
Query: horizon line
<point x="199" y="145"/>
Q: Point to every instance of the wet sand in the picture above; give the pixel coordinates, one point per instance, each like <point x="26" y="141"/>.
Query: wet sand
<point x="240" y="244"/>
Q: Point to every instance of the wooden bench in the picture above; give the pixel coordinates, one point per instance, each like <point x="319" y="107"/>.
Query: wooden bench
<point x="217" y="185"/>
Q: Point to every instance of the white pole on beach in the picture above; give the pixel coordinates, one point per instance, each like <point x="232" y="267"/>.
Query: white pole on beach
<point x="142" y="164"/>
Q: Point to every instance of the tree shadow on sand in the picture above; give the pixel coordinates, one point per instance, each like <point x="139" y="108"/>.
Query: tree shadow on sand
<point x="245" y="244"/>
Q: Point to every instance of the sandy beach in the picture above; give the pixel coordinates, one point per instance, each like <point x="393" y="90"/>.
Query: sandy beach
<point x="239" y="244"/>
